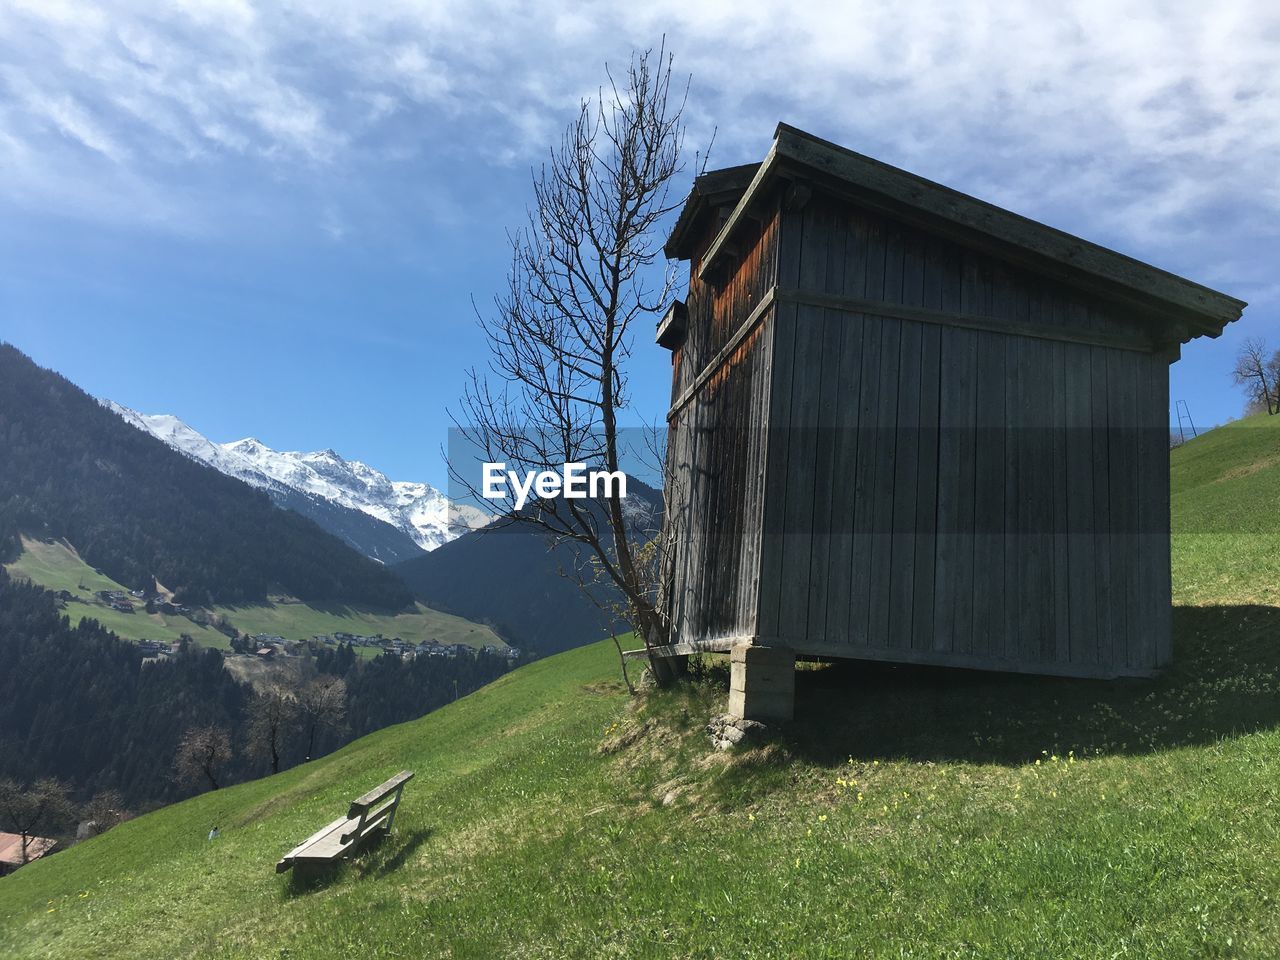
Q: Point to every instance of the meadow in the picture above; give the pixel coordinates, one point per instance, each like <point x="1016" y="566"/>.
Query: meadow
<point x="907" y="813"/>
<point x="57" y="566"/>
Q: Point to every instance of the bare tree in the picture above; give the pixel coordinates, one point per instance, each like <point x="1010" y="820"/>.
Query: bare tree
<point x="28" y="811"/>
<point x="202" y="753"/>
<point x="583" y="274"/>
<point x="272" y="714"/>
<point x="322" y="703"/>
<point x="1257" y="373"/>
<point x="1272" y="375"/>
<point x="105" y="810"/>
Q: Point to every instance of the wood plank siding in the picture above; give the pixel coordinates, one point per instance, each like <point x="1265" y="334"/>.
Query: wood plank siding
<point x="888" y="442"/>
<point x="716" y="446"/>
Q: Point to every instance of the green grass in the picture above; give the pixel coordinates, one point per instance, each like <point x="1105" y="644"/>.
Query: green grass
<point x="297" y="621"/>
<point x="141" y="625"/>
<point x="56" y="566"/>
<point x="1226" y="514"/>
<point x="909" y="813"/>
<point x="906" y="815"/>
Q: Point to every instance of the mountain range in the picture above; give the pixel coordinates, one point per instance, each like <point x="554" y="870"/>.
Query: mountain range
<point x="506" y="576"/>
<point x="148" y="499"/>
<point x="143" y="514"/>
<point x="511" y="577"/>
<point x="388" y="520"/>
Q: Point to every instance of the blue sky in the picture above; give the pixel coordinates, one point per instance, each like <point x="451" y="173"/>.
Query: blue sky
<point x="272" y="220"/>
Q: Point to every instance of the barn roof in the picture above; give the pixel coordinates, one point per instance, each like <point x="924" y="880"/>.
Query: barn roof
<point x="11" y="848"/>
<point x="799" y="157"/>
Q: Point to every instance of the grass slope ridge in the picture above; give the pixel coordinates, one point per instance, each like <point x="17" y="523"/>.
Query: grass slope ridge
<point x="1226" y="514"/>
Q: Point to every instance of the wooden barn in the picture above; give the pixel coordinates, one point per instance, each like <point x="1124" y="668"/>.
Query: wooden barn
<point x="907" y="425"/>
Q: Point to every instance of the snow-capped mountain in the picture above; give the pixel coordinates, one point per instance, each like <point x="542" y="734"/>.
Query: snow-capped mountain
<point x="308" y="481"/>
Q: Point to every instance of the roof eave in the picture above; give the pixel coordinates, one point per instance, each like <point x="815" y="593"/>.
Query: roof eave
<point x="795" y="154"/>
<point x="713" y="188"/>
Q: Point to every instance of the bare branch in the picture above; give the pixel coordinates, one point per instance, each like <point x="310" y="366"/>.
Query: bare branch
<point x="582" y="274"/>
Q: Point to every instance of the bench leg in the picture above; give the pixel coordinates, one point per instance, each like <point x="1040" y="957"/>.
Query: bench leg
<point x="391" y="817"/>
<point x="308" y="872"/>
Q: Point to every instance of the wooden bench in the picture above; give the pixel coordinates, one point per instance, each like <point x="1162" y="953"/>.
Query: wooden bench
<point x="347" y="834"/>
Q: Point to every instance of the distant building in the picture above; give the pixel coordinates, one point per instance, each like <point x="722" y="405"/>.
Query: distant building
<point x="11" y="857"/>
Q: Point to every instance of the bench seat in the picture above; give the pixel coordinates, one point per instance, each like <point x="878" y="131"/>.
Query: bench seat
<point x="347" y="834"/>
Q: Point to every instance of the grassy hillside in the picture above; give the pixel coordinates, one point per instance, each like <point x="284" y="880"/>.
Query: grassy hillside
<point x="908" y="813"/>
<point x="55" y="565"/>
<point x="1226" y="514"/>
<point x="548" y="819"/>
<point x="138" y="509"/>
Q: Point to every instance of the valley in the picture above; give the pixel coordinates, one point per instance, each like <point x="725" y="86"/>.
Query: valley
<point x="58" y="567"/>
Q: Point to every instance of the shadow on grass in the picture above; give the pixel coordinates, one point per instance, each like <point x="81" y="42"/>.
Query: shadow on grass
<point x="1223" y="681"/>
<point x="404" y="847"/>
<point x="310" y="878"/>
<point x="382" y="855"/>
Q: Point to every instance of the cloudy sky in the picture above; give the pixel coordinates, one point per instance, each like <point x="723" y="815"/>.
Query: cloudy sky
<point x="273" y="219"/>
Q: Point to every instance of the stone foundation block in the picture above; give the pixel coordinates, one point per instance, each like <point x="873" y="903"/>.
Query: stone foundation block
<point x="762" y="682"/>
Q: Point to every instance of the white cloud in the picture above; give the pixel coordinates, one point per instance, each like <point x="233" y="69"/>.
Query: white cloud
<point x="1152" y="126"/>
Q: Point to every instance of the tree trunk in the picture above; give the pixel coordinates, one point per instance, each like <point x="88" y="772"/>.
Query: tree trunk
<point x="667" y="670"/>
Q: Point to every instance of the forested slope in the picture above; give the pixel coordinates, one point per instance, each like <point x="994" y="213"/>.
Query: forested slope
<point x="139" y="510"/>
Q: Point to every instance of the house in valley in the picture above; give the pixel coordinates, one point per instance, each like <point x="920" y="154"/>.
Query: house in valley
<point x="13" y="855"/>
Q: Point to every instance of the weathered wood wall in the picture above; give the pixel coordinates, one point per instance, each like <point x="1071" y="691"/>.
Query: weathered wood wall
<point x="885" y="445"/>
<point x="715" y="444"/>
<point x="938" y="491"/>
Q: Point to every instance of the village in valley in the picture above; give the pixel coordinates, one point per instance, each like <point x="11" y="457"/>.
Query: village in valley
<point x="269" y="646"/>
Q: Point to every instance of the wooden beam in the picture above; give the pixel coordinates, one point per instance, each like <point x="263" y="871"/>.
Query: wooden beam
<point x="1015" y="237"/>
<point x="757" y="314"/>
<point x="739" y="214"/>
<point x="686" y="648"/>
<point x="367" y="800"/>
<point x="966" y="320"/>
<point x="1048" y="668"/>
<point x="798" y="195"/>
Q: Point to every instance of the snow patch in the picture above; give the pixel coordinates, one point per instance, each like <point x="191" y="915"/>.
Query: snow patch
<point x="418" y="509"/>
